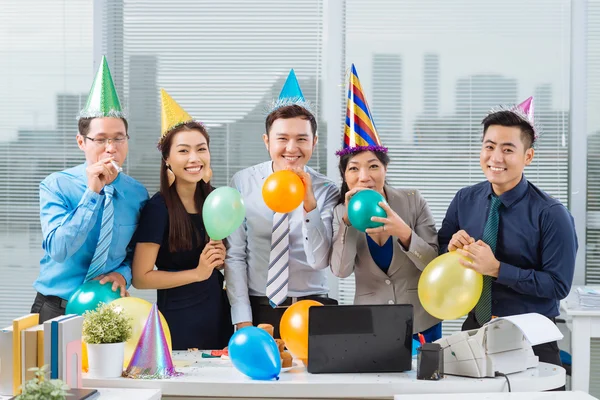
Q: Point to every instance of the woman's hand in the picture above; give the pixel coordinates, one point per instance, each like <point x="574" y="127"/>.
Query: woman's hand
<point x="347" y="198"/>
<point x="212" y="257"/>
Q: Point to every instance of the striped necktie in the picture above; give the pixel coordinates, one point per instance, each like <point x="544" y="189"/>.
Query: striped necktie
<point x="277" y="278"/>
<point x="101" y="254"/>
<point x="483" y="309"/>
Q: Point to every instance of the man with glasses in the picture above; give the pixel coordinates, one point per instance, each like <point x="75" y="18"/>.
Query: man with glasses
<point x="89" y="213"/>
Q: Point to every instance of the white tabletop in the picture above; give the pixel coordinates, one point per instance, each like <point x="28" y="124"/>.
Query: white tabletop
<point x="122" y="394"/>
<point x="500" y="396"/>
<point x="207" y="378"/>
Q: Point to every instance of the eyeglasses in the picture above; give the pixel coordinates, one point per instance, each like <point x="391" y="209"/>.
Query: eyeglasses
<point x="104" y="141"/>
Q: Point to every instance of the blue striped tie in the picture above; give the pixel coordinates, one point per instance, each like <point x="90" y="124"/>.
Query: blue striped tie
<point x="101" y="254"/>
<point x="277" y="278"/>
<point x="483" y="309"/>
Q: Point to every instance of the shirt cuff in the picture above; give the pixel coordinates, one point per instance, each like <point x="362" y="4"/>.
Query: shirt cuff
<point x="508" y="275"/>
<point x="241" y="313"/>
<point x="312" y="219"/>
<point x="91" y="200"/>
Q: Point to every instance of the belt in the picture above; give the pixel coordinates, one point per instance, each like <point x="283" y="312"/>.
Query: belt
<point x="264" y="301"/>
<point x="58" y="301"/>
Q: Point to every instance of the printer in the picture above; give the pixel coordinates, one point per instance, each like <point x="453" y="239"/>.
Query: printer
<point x="503" y="345"/>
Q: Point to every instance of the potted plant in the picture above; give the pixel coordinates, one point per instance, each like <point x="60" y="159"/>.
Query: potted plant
<point x="39" y="387"/>
<point x="105" y="331"/>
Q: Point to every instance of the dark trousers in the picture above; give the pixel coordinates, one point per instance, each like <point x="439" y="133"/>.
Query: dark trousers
<point x="546" y="352"/>
<point x="48" y="307"/>
<point x="263" y="313"/>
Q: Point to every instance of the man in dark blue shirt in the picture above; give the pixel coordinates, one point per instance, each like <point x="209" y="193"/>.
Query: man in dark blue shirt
<point x="521" y="239"/>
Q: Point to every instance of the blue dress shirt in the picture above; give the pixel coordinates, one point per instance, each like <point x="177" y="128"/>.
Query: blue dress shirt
<point x="71" y="215"/>
<point x="536" y="245"/>
<point x="382" y="255"/>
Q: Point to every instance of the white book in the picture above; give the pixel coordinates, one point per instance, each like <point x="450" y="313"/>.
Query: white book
<point x="6" y="361"/>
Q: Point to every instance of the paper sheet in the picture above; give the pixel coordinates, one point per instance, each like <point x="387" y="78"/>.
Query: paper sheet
<point x="537" y="328"/>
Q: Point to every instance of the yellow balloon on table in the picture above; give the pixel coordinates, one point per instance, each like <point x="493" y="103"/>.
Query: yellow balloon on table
<point x="84" y="357"/>
<point x="138" y="310"/>
<point x="293" y="328"/>
<point x="447" y="289"/>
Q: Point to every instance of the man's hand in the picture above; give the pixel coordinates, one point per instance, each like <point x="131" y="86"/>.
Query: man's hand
<point x="310" y="202"/>
<point x="118" y="281"/>
<point x="482" y="258"/>
<point x="459" y="240"/>
<point x="101" y="174"/>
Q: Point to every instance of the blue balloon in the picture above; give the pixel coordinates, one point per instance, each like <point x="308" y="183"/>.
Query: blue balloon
<point x="254" y="353"/>
<point x="364" y="205"/>
<point x="415" y="346"/>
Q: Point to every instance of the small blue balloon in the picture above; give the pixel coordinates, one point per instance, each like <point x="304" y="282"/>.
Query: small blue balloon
<point x="254" y="353"/>
<point x="364" y="205"/>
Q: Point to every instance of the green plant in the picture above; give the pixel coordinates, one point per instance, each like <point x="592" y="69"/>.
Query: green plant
<point x="40" y="387"/>
<point x="106" y="324"/>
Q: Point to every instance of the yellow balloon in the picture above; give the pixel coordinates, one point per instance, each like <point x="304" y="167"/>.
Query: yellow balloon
<point x="448" y="290"/>
<point x="138" y="310"/>
<point x="84" y="357"/>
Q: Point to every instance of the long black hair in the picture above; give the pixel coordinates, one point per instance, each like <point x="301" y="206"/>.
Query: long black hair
<point x="182" y="232"/>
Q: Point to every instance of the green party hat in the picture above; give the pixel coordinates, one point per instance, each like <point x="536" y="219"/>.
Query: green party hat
<point x="103" y="100"/>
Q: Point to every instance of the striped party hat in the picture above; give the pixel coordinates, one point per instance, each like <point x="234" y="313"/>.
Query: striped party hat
<point x="360" y="133"/>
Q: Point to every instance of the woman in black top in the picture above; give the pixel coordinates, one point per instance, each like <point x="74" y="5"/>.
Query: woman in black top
<point x="171" y="235"/>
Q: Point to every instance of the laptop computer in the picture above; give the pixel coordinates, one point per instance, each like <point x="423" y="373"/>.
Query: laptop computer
<point x="360" y="338"/>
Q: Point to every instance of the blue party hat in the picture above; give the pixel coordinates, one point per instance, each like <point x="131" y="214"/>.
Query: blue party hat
<point x="290" y="94"/>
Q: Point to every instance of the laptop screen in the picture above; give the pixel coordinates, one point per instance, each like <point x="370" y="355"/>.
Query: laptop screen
<point x="360" y="338"/>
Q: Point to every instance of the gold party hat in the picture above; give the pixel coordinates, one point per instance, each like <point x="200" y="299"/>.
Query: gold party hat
<point x="172" y="114"/>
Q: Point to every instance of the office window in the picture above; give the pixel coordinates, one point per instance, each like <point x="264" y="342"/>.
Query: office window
<point x="431" y="70"/>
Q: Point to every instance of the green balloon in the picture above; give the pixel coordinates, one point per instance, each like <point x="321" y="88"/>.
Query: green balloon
<point x="89" y="295"/>
<point x="223" y="212"/>
<point x="364" y="205"/>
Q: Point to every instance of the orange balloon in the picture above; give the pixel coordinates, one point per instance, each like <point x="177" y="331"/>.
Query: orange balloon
<point x="84" y="357"/>
<point x="283" y="191"/>
<point x="293" y="328"/>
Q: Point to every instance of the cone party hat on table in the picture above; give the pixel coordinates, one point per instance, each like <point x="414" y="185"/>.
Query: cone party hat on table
<point x="151" y="358"/>
<point x="103" y="100"/>
<point x="360" y="133"/>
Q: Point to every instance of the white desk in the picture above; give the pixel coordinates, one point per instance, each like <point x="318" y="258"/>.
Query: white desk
<point x="500" y="396"/>
<point x="122" y="394"/>
<point x="584" y="325"/>
<point x="216" y="378"/>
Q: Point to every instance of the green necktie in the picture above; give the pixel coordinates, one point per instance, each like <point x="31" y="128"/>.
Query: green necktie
<point x="483" y="309"/>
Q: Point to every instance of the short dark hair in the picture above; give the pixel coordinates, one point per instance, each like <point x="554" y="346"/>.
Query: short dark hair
<point x="510" y="119"/>
<point x="291" y="111"/>
<point x="84" y="125"/>
<point x="343" y="164"/>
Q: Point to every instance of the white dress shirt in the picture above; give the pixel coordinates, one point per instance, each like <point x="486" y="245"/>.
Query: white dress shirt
<point x="249" y="247"/>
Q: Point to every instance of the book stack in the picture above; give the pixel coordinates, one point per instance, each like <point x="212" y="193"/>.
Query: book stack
<point x="27" y="344"/>
<point x="588" y="297"/>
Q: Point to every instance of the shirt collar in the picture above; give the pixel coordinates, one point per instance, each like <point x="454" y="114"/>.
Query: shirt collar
<point x="513" y="195"/>
<point x="267" y="169"/>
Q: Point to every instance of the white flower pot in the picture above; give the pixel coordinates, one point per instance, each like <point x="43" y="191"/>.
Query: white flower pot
<point x="105" y="360"/>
